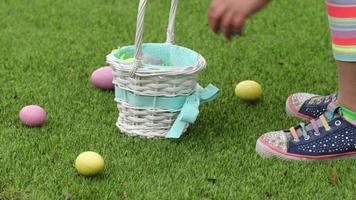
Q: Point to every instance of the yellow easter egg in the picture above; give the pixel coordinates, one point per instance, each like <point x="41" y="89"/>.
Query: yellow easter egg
<point x="248" y="90"/>
<point x="130" y="60"/>
<point x="89" y="163"/>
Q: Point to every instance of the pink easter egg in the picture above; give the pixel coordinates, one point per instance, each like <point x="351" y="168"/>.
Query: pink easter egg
<point x="102" y="78"/>
<point x="33" y="116"/>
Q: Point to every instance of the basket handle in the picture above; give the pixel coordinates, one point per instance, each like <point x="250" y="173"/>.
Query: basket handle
<point x="139" y="31"/>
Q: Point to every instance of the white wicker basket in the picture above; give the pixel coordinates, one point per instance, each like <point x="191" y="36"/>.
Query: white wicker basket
<point x="141" y="81"/>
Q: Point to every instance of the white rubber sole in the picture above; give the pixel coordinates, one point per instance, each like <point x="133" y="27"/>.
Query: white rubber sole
<point x="266" y="152"/>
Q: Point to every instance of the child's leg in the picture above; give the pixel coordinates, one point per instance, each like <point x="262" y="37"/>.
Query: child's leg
<point x="333" y="134"/>
<point x="347" y="84"/>
<point x="342" y="20"/>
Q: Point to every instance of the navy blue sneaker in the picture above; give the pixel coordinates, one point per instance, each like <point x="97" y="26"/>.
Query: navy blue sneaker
<point x="309" y="106"/>
<point x="330" y="136"/>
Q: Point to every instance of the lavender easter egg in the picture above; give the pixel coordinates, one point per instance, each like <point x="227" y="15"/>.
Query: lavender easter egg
<point x="33" y="116"/>
<point x="147" y="58"/>
<point x="102" y="78"/>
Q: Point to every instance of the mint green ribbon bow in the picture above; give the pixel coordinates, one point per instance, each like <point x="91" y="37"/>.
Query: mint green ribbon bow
<point x="190" y="109"/>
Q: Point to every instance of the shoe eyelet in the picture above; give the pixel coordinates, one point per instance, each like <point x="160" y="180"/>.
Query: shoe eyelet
<point x="337" y="123"/>
<point x="307" y="138"/>
<point x="316" y="134"/>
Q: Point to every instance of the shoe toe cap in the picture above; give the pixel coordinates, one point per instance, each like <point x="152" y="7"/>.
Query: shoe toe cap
<point x="297" y="100"/>
<point x="276" y="139"/>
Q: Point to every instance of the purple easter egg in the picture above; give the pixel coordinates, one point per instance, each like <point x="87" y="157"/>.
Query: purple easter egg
<point x="33" y="116"/>
<point x="102" y="78"/>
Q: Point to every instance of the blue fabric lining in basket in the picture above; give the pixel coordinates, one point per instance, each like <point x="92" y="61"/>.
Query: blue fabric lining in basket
<point x="171" y="55"/>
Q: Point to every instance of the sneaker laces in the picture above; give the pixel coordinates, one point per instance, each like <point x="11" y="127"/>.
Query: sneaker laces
<point x="302" y="130"/>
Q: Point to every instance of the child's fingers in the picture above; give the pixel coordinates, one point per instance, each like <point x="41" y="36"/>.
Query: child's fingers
<point x="238" y="24"/>
<point x="214" y="16"/>
<point x="227" y="24"/>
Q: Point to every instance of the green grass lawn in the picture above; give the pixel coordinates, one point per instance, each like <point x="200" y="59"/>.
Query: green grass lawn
<point x="48" y="50"/>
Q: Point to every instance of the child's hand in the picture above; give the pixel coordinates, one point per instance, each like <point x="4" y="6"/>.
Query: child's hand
<point x="230" y="15"/>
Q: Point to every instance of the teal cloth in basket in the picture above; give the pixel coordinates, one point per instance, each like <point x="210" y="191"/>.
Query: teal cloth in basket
<point x="171" y="55"/>
<point x="189" y="105"/>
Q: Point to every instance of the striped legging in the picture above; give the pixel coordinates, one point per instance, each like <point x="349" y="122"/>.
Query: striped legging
<point x="342" y="20"/>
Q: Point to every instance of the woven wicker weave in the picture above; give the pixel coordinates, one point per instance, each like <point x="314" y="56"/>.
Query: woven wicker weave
<point x="152" y="81"/>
